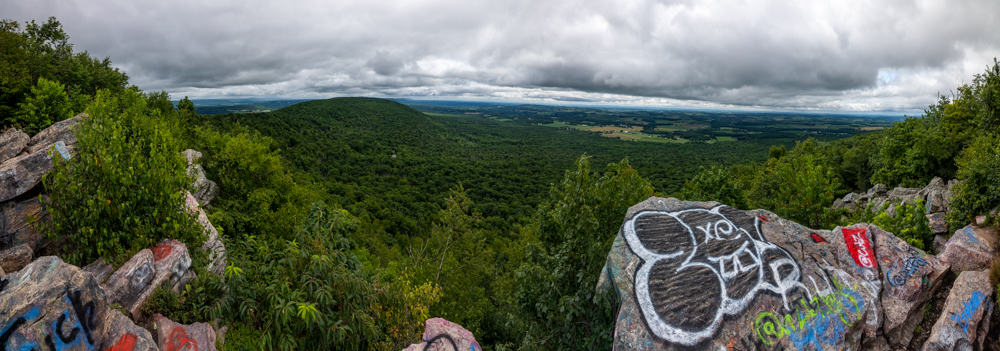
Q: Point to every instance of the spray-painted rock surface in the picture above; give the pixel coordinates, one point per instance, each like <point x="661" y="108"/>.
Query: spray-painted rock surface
<point x="172" y="336"/>
<point x="136" y="280"/>
<point x="51" y="305"/>
<point x="971" y="248"/>
<point x="964" y="322"/>
<point x="123" y="335"/>
<point x="441" y="335"/>
<point x="702" y="275"/>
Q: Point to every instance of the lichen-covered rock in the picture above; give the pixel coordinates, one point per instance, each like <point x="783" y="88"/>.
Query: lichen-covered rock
<point x="172" y="336"/>
<point x="938" y="222"/>
<point x="964" y="323"/>
<point x="701" y="275"/>
<point x="971" y="248"/>
<point x="12" y="142"/>
<point x="19" y="222"/>
<point x="443" y="335"/>
<point x="213" y="243"/>
<point x="192" y="156"/>
<point x="909" y="278"/>
<point x="51" y="305"/>
<point x="60" y="131"/>
<point x="136" y="280"/>
<point x="15" y="258"/>
<point x="936" y="196"/>
<point x="123" y="335"/>
<point x="204" y="190"/>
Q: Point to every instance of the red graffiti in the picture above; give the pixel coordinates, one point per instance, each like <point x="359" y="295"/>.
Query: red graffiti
<point x="180" y="341"/>
<point x="818" y="239"/>
<point x="125" y="343"/>
<point x="763" y="218"/>
<point x="162" y="251"/>
<point x="861" y="249"/>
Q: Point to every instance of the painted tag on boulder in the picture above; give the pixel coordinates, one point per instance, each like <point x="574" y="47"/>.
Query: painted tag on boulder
<point x="861" y="249"/>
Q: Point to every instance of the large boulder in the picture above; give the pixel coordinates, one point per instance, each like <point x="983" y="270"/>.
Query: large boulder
<point x="51" y="305"/>
<point x="964" y="322"/>
<point x="15" y="258"/>
<point x="705" y="276"/>
<point x="22" y="173"/>
<point x="124" y="335"/>
<point x="172" y="336"/>
<point x="213" y="243"/>
<point x="909" y="278"/>
<point x="136" y="280"/>
<point x="19" y="222"/>
<point x="63" y="131"/>
<point x="12" y="142"/>
<point x="99" y="269"/>
<point x="971" y="248"/>
<point x="443" y="335"/>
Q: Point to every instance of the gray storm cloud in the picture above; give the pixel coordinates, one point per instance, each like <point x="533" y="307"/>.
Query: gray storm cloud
<point x="830" y="55"/>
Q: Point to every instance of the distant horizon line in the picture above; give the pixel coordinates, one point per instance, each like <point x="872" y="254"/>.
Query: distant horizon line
<point x="579" y="104"/>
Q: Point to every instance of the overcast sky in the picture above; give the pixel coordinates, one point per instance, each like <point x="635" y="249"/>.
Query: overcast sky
<point x="843" y="55"/>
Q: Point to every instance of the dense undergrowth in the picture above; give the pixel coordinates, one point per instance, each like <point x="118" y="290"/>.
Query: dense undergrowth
<point x="348" y="222"/>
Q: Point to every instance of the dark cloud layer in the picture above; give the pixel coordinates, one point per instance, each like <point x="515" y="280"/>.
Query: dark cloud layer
<point x="828" y="55"/>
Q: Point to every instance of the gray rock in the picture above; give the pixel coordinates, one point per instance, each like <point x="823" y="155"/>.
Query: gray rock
<point x="980" y="220"/>
<point x="124" y="335"/>
<point x="52" y="305"/>
<point x="12" y="142"/>
<point x="213" y="245"/>
<point x="939" y="242"/>
<point x="192" y="156"/>
<point x="971" y="248"/>
<point x="19" y="222"/>
<point x="443" y="335"/>
<point x="22" y="173"/>
<point x="964" y="323"/>
<point x="205" y="190"/>
<point x="700" y="275"/>
<point x="15" y="258"/>
<point x="938" y="222"/>
<point x="878" y="189"/>
<point x="136" y="280"/>
<point x="909" y="279"/>
<point x="60" y="131"/>
<point x="174" y="336"/>
<point x="99" y="269"/>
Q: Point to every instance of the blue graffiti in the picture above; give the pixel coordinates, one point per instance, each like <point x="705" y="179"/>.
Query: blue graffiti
<point x="968" y="310"/>
<point x="972" y="235"/>
<point x="9" y="329"/>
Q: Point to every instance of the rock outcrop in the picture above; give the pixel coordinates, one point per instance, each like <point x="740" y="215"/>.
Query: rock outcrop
<point x="705" y="276"/>
<point x="213" y="243"/>
<point x="443" y="335"/>
<point x="123" y="335"/>
<point x="965" y="321"/>
<point x="174" y="336"/>
<point x="971" y="248"/>
<point x="136" y="280"/>
<point x="936" y="196"/>
<point x="12" y="142"/>
<point x="204" y="189"/>
<point x="14" y="258"/>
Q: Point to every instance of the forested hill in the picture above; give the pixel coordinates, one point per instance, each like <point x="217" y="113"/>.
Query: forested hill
<point x="385" y="161"/>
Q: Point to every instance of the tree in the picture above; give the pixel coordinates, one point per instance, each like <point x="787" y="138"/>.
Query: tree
<point x="47" y="104"/>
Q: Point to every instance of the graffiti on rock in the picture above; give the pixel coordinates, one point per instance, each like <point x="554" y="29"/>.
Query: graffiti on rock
<point x="9" y="330"/>
<point x="162" y="251"/>
<point x="125" y="343"/>
<point x="141" y="277"/>
<point x="440" y="340"/>
<point x="900" y="275"/>
<point x="179" y="340"/>
<point x="818" y="321"/>
<point x="972" y="235"/>
<point x="700" y="265"/>
<point x="817" y="239"/>
<point x="861" y="249"/>
<point x="969" y="309"/>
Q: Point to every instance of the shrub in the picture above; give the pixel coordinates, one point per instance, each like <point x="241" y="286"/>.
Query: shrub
<point x="716" y="183"/>
<point x="798" y="186"/>
<point x="123" y="191"/>
<point x="908" y="222"/>
<point x="47" y="104"/>
<point x="978" y="189"/>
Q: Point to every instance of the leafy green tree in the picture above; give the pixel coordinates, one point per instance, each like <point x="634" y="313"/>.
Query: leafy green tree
<point x="47" y="104"/>
<point x="185" y="106"/>
<point x="715" y="183"/>
<point x="160" y="101"/>
<point x="799" y="186"/>
<point x="574" y="230"/>
<point x="123" y="190"/>
<point x="906" y="221"/>
<point x="978" y="189"/>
